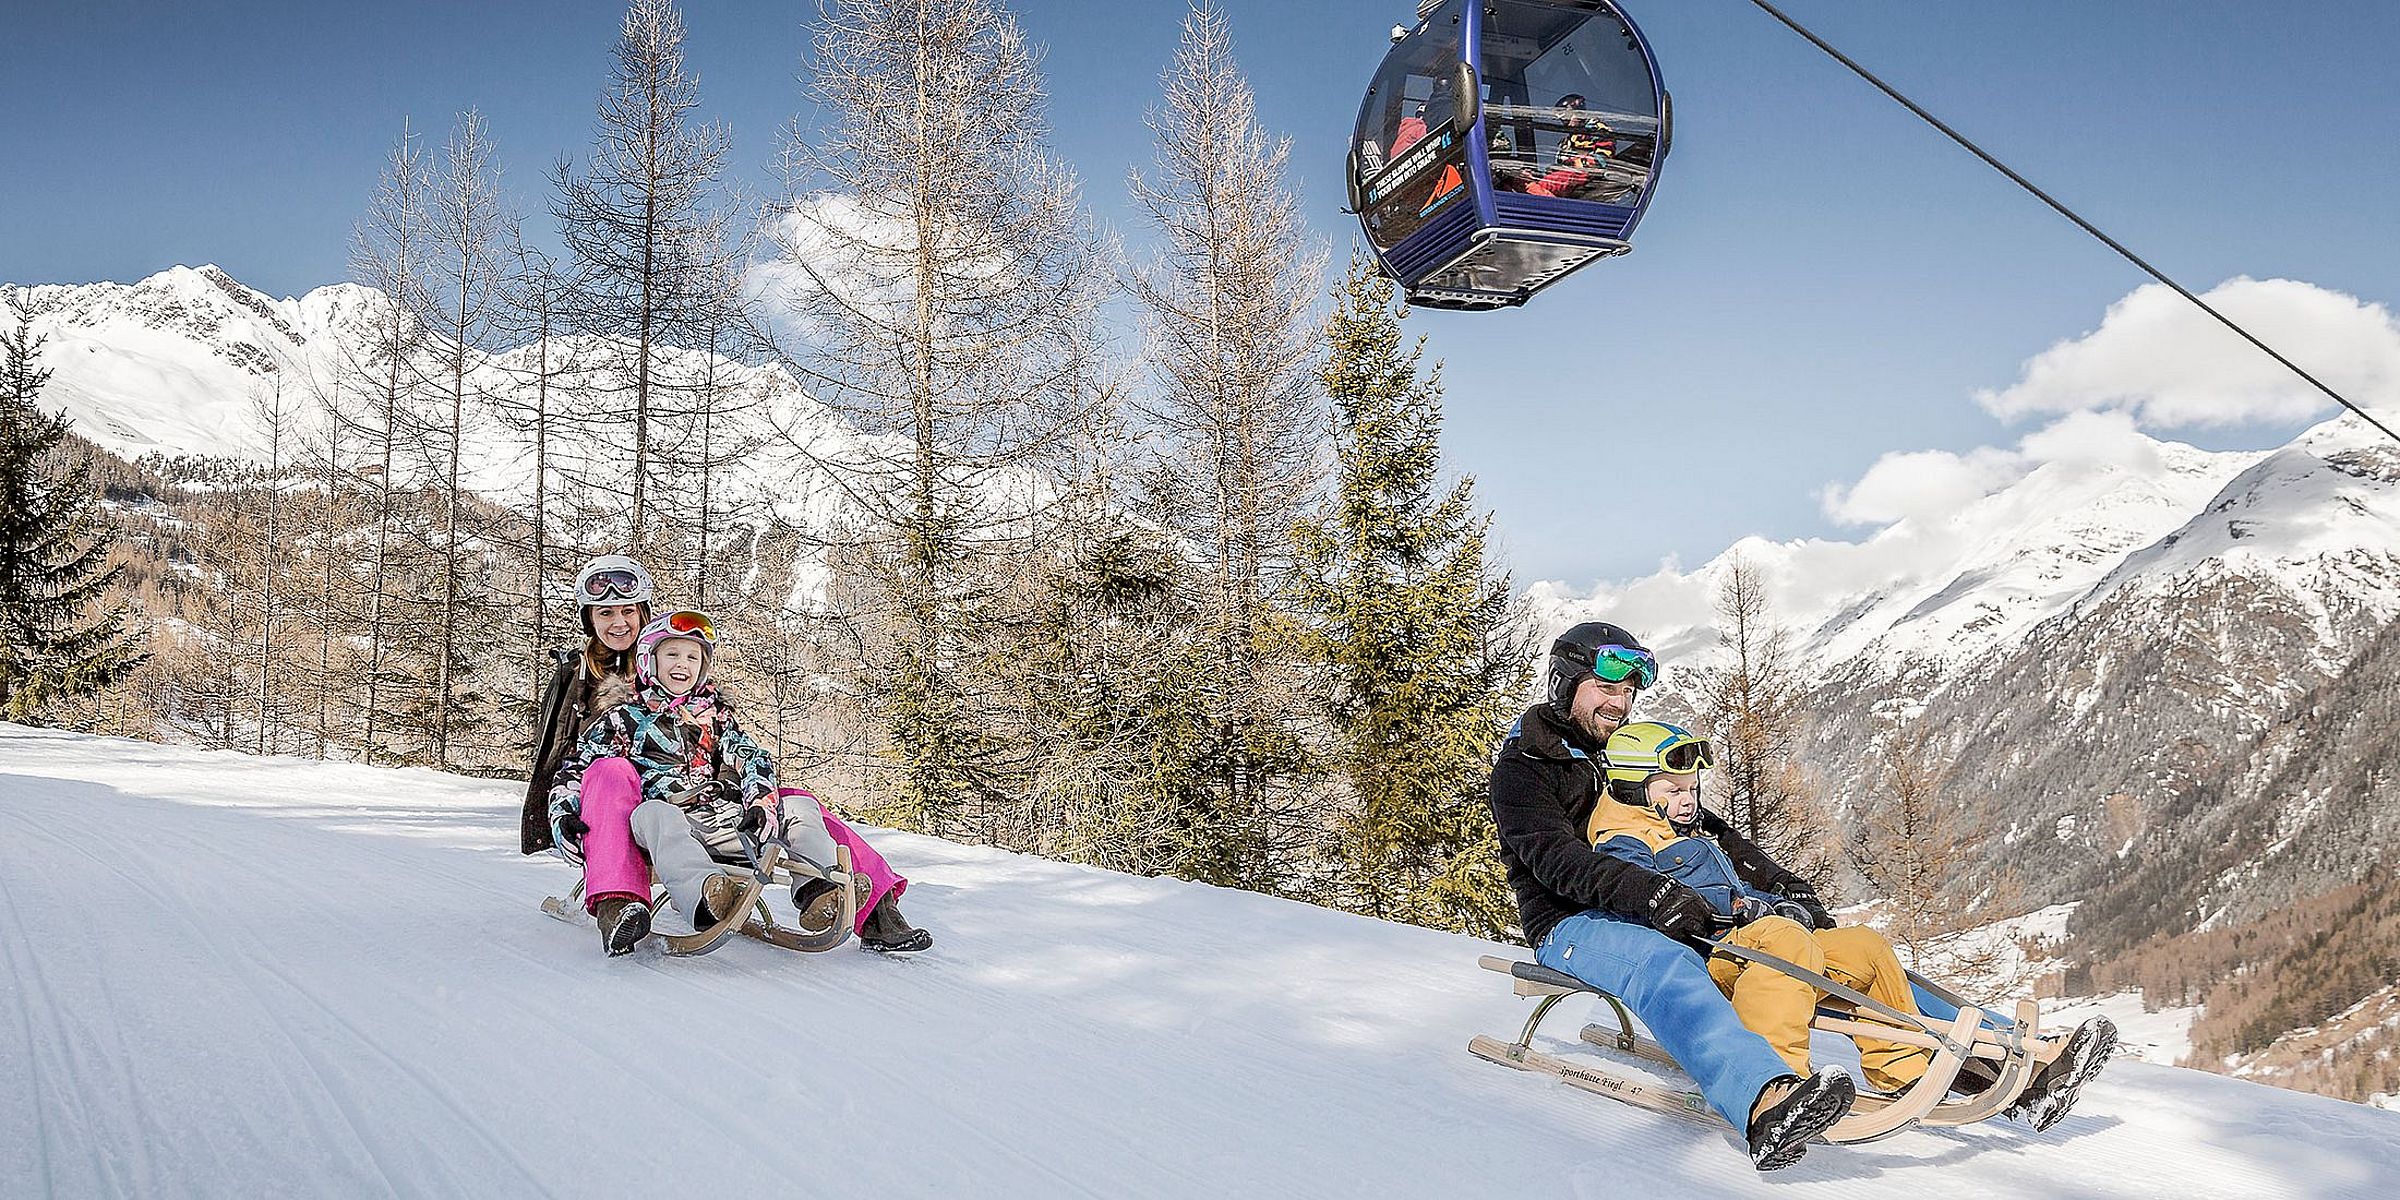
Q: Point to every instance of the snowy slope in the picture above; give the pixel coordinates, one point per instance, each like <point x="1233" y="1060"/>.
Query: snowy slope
<point x="305" y="979"/>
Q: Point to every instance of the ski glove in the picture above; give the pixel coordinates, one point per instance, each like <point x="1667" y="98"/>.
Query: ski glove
<point x="1678" y="912"/>
<point x="754" y="820"/>
<point x="571" y="830"/>
<point x="1798" y="894"/>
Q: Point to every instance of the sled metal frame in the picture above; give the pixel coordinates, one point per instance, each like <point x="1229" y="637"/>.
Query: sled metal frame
<point x="768" y="868"/>
<point x="1871" y="1116"/>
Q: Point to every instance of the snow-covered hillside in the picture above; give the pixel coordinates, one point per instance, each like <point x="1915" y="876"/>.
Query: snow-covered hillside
<point x="237" y="976"/>
<point x="184" y="362"/>
<point x="1943" y="584"/>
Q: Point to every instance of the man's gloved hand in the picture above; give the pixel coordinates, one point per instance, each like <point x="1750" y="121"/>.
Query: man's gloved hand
<point x="754" y="820"/>
<point x="1679" y="912"/>
<point x="571" y="830"/>
<point x="1798" y="893"/>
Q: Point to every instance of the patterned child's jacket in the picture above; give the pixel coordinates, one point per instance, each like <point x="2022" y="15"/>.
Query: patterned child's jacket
<point x="687" y="750"/>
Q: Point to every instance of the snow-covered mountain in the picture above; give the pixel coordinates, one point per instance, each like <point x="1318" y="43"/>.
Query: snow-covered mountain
<point x="309" y="979"/>
<point x="172" y="364"/>
<point x="185" y="362"/>
<point x="1934" y="590"/>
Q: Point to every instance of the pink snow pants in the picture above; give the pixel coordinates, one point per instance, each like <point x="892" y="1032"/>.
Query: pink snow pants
<point x="863" y="858"/>
<point x="613" y="865"/>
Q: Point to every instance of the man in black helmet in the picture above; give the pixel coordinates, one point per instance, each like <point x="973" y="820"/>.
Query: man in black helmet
<point x="1623" y="928"/>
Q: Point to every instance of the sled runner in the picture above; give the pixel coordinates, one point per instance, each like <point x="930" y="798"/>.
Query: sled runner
<point x="768" y="869"/>
<point x="1844" y="1011"/>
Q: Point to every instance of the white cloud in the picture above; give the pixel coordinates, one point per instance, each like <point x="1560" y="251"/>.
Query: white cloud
<point x="1922" y="484"/>
<point x="2094" y="439"/>
<point x="2170" y="366"/>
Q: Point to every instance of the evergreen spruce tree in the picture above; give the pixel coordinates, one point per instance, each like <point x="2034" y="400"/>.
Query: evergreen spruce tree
<point x="1411" y="632"/>
<point x="53" y="553"/>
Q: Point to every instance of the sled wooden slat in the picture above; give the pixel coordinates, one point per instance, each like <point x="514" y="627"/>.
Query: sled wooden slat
<point x="1534" y="979"/>
<point x="763" y="926"/>
<point x="2016" y="1071"/>
<point x="1927" y="1101"/>
<point x="1635" y="1045"/>
<point x="760" y="923"/>
<point x="1867" y="1122"/>
<point x="1674" y="1102"/>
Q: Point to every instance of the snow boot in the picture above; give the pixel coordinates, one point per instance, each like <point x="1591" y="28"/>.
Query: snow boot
<point x="725" y="902"/>
<point x="820" y="901"/>
<point x="624" y="922"/>
<point x="2045" y="1101"/>
<point x="1792" y="1110"/>
<point x="887" y="932"/>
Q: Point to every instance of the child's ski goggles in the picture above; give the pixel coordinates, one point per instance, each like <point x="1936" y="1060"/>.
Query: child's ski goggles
<point x="692" y="623"/>
<point x="1683" y="757"/>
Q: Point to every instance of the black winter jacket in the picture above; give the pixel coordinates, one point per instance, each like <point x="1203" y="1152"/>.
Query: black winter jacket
<point x="567" y="707"/>
<point x="1545" y="780"/>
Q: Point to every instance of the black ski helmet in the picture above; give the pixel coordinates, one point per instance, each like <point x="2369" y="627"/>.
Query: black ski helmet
<point x="1570" y="661"/>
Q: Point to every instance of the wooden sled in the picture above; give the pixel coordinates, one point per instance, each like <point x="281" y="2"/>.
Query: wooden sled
<point x="768" y="869"/>
<point x="1847" y="1012"/>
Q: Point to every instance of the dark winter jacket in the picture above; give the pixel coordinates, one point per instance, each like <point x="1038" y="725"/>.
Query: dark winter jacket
<point x="1545" y="780"/>
<point x="568" y="707"/>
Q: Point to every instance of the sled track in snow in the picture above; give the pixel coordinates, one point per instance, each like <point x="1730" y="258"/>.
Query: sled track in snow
<point x="322" y="979"/>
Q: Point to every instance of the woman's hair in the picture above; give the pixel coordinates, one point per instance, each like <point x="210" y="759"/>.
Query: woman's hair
<point x="599" y="661"/>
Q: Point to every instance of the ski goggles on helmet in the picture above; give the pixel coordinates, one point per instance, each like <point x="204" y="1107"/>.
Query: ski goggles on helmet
<point x="691" y="624"/>
<point x="613" y="584"/>
<point x="1615" y="664"/>
<point x="1682" y="755"/>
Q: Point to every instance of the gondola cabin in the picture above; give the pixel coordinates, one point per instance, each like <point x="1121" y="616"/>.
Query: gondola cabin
<point x="1503" y="144"/>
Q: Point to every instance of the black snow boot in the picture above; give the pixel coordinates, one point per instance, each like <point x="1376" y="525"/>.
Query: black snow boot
<point x="2045" y="1101"/>
<point x="886" y="931"/>
<point x="1794" y="1111"/>
<point x="623" y="924"/>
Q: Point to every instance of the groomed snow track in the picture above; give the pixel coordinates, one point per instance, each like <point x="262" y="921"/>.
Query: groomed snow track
<point x="230" y="976"/>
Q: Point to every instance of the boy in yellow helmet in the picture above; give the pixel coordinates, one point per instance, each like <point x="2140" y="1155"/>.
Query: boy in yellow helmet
<point x="1653" y="818"/>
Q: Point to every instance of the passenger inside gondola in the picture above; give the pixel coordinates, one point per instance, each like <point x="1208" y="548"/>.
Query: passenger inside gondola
<point x="1583" y="153"/>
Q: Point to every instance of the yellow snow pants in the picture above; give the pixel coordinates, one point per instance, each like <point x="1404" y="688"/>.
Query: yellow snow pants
<point x="1777" y="1007"/>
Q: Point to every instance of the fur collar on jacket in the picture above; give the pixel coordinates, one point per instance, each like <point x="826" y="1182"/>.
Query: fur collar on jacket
<point x="616" y="690"/>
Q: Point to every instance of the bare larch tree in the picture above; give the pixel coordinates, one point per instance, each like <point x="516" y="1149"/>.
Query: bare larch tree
<point x="1238" y="418"/>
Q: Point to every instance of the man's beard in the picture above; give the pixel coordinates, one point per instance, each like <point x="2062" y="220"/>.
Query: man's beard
<point x="1599" y="725"/>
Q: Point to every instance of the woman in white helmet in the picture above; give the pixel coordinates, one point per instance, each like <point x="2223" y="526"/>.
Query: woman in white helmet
<point x="614" y="595"/>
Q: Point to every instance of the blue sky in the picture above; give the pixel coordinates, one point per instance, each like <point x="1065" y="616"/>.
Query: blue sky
<point x="1822" y="281"/>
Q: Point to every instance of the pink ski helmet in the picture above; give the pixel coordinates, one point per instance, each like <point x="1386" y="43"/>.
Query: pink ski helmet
<point x="685" y="623"/>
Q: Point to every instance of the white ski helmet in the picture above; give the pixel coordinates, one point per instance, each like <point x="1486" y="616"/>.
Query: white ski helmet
<point x="612" y="579"/>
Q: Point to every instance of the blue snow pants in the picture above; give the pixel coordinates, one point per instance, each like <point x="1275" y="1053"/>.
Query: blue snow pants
<point x="1934" y="1008"/>
<point x="1667" y="986"/>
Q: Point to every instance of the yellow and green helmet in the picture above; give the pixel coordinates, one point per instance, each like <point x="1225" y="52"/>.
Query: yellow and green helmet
<point x="1645" y="748"/>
